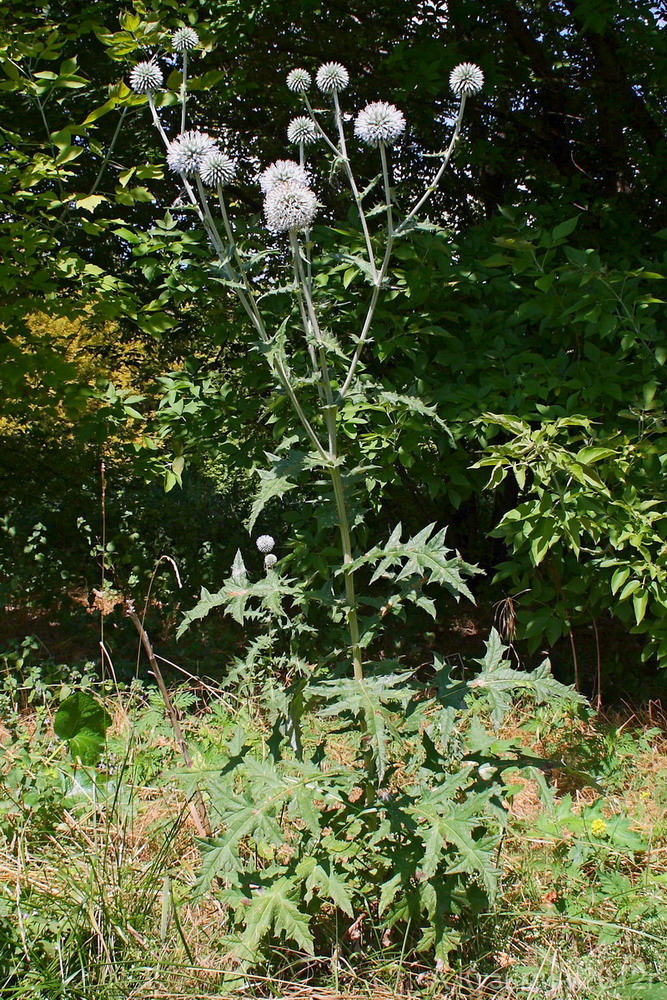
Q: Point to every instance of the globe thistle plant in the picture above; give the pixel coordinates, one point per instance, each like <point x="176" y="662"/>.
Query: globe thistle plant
<point x="146" y="77"/>
<point x="186" y="153"/>
<point x="290" y="207"/>
<point x="379" y="122"/>
<point x="217" y="169"/>
<point x="282" y="172"/>
<point x="330" y="373"/>
<point x="332" y="78"/>
<point x="466" y="79"/>
<point x="184" y="40"/>
<point x="299" y="81"/>
<point x="302" y="131"/>
<point x="265" y="544"/>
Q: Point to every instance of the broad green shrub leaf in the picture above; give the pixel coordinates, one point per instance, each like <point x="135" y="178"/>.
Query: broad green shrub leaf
<point x="82" y="722"/>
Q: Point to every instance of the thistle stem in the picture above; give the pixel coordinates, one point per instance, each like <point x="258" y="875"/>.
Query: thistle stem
<point x="310" y="318"/>
<point x="184" y="90"/>
<point x="353" y="186"/>
<point x="438" y="177"/>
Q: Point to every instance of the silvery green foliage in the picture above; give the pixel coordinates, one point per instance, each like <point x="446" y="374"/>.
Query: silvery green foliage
<point x="290" y="207"/>
<point x="332" y="78"/>
<point x="302" y="131"/>
<point x="187" y="152"/>
<point x="184" y="40"/>
<point x="282" y="172"/>
<point x="299" y="81"/>
<point x="146" y="77"/>
<point x="405" y="853"/>
<point x="466" y="79"/>
<point x="216" y="169"/>
<point x="379" y="122"/>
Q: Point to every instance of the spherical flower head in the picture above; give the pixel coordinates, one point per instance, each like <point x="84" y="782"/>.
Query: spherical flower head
<point x="146" y="77"/>
<point x="282" y="172"/>
<point x="302" y="131"/>
<point x="270" y="561"/>
<point x="184" y="40"/>
<point x="379" y="122"/>
<point x="299" y="81"/>
<point x="598" y="828"/>
<point x="332" y="77"/>
<point x="289" y="207"/>
<point x="186" y="153"/>
<point x="466" y="79"/>
<point x="217" y="169"/>
<point x="265" y="543"/>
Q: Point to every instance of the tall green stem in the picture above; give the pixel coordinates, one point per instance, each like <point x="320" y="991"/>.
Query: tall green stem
<point x="312" y="323"/>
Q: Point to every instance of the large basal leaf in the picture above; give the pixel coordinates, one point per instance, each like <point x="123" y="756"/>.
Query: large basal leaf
<point x="367" y="698"/>
<point x="501" y="684"/>
<point x="272" y="908"/>
<point x="323" y="879"/>
<point x="243" y="817"/>
<point x="82" y="722"/>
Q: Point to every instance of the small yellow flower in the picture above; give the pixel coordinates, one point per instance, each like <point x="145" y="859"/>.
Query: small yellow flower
<point x="598" y="828"/>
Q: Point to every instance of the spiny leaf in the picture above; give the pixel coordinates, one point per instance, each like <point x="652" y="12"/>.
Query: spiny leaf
<point x="500" y="683"/>
<point x="367" y="698"/>
<point x="272" y="486"/>
<point x="455" y="828"/>
<point x="272" y="908"/>
<point x="242" y="817"/>
<point x="423" y="555"/>
<point x="328" y="883"/>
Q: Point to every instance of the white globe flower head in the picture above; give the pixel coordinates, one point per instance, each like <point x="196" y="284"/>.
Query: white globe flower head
<point x="289" y="207"/>
<point x="270" y="561"/>
<point x="217" y="169"/>
<point x="187" y="151"/>
<point x="302" y="131"/>
<point x="282" y="172"/>
<point x="184" y="40"/>
<point x="332" y="78"/>
<point x="299" y="81"/>
<point x="146" y="77"/>
<point x="466" y="79"/>
<point x="379" y="122"/>
<point x="265" y="543"/>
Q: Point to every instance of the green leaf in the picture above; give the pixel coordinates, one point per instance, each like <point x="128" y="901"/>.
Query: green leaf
<point x="366" y="698"/>
<point x="639" y="603"/>
<point x="89" y="202"/>
<point x="565" y="228"/>
<point x="272" y="486"/>
<point x="454" y="824"/>
<point x="327" y="882"/>
<point x="423" y="555"/>
<point x="272" y="908"/>
<point x="82" y="722"/>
